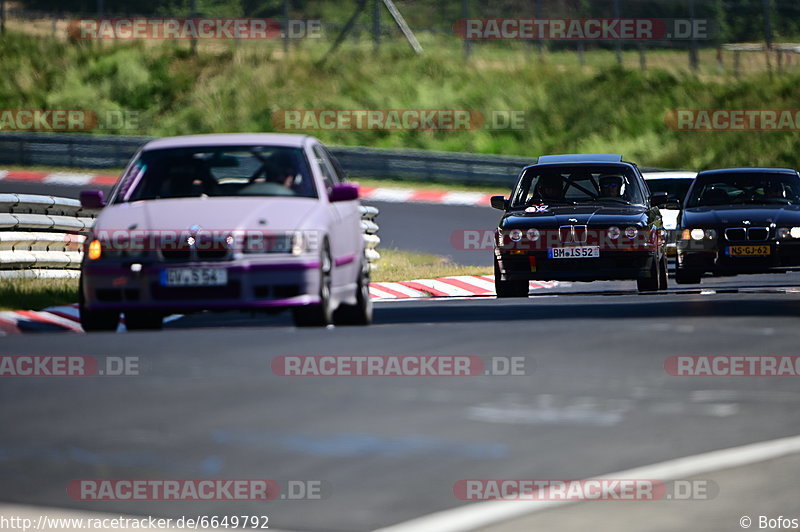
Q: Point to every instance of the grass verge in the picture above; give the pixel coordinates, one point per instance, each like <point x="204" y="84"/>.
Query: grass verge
<point x="564" y="108"/>
<point x="17" y="294"/>
<point x="397" y="265"/>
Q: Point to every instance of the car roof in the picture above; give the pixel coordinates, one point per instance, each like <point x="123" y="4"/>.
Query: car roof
<point x="747" y="171"/>
<point x="230" y="139"/>
<point x="577" y="163"/>
<point x="669" y="175"/>
<point x="580" y="158"/>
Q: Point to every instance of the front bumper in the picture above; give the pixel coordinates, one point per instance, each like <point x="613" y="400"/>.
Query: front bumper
<point x="784" y="256"/>
<point x="610" y="266"/>
<point x="275" y="282"/>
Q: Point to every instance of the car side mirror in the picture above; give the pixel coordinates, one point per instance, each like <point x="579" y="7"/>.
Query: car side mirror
<point x="658" y="199"/>
<point x="499" y="202"/>
<point x="92" y="199"/>
<point x="343" y="192"/>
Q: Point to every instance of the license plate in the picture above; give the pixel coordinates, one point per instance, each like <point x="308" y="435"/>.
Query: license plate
<point x="195" y="277"/>
<point x="576" y="252"/>
<point x="748" y="251"/>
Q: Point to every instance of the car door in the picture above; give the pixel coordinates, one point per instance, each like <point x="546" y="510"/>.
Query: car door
<point x="345" y="229"/>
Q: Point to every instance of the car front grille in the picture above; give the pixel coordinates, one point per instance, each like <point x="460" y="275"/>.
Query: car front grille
<point x="186" y="253"/>
<point x="573" y="234"/>
<point x="176" y="253"/>
<point x="166" y="293"/>
<point x="212" y="254"/>
<point x="752" y="234"/>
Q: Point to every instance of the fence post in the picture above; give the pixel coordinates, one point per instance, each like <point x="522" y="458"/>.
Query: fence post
<point x="465" y="16"/>
<point x="193" y="14"/>
<point x="285" y="27"/>
<point x="617" y="43"/>
<point x="767" y="32"/>
<point x="376" y="24"/>
<point x="694" y="62"/>
<point x="537" y="6"/>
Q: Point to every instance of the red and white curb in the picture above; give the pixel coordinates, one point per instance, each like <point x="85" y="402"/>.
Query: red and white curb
<point x="61" y="318"/>
<point x="71" y="179"/>
<point x="67" y="317"/>
<point x="458" y="286"/>
<point x="387" y="194"/>
<point x="52" y="319"/>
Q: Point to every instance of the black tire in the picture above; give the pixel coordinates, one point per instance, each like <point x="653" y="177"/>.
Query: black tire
<point x="509" y="288"/>
<point x="143" y="320"/>
<point x="95" y="320"/>
<point x="319" y="315"/>
<point x="361" y="312"/>
<point x="684" y="277"/>
<point x="663" y="278"/>
<point x="652" y="283"/>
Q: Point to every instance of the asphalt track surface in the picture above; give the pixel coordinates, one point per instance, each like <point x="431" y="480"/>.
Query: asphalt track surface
<point x="594" y="399"/>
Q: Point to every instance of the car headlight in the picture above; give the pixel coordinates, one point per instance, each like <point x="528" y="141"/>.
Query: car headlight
<point x="515" y="235"/>
<point x="299" y="243"/>
<point x="631" y="232"/>
<point x="786" y="232"/>
<point x="698" y="234"/>
<point x="614" y="232"/>
<point x="533" y="234"/>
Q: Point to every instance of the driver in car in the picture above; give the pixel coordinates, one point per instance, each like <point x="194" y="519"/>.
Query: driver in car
<point x="774" y="190"/>
<point x="550" y="187"/>
<point x="610" y="186"/>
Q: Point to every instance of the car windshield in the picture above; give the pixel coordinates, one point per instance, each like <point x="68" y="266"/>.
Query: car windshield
<point x="573" y="184"/>
<point x="676" y="189"/>
<point x="217" y="171"/>
<point x="745" y="188"/>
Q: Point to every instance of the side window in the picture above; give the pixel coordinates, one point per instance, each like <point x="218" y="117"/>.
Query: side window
<point x="328" y="173"/>
<point x="337" y="166"/>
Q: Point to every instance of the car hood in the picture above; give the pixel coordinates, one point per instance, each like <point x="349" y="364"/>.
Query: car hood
<point x="554" y="216"/>
<point x="211" y="214"/>
<point x="735" y="215"/>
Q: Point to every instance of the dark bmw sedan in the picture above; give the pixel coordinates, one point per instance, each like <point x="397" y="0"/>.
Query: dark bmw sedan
<point x="579" y="218"/>
<point x="740" y="220"/>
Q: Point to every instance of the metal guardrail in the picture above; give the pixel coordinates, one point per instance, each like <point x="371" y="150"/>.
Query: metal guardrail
<point x="43" y="236"/>
<point x="79" y="150"/>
